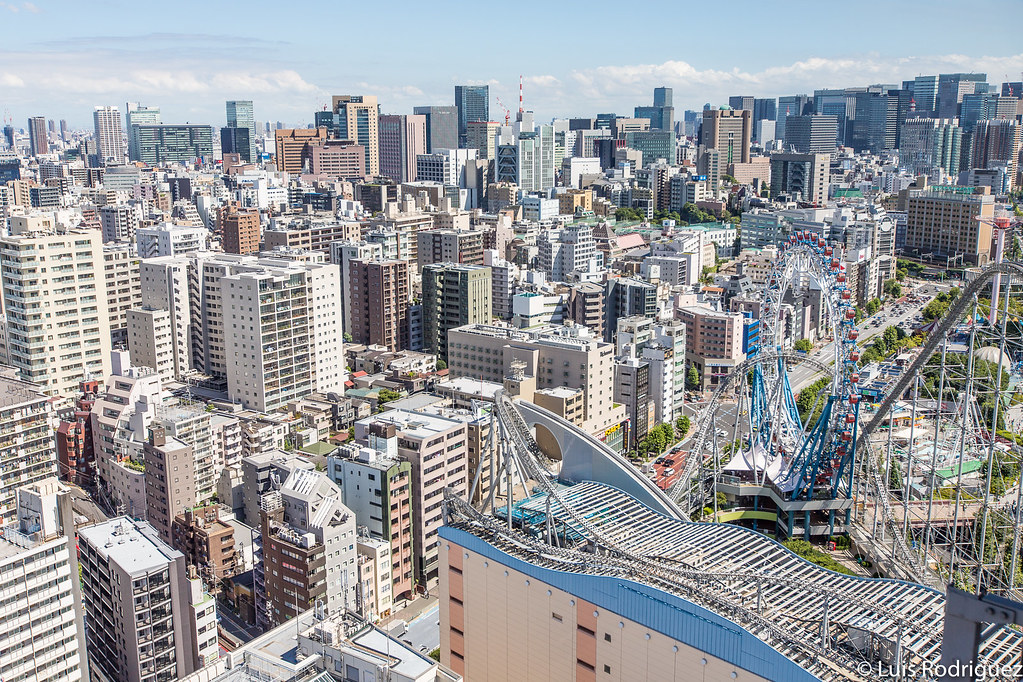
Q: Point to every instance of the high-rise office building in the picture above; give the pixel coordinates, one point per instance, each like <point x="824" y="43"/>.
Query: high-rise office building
<point x="294" y="147"/>
<point x="73" y="291"/>
<point x="815" y="134"/>
<point x="146" y="618"/>
<point x="38" y="143"/>
<point x="109" y="136"/>
<point x="378" y="300"/>
<point x="951" y="89"/>
<point x="453" y="295"/>
<point x="240" y="115"/>
<point x="473" y="104"/>
<point x="482" y="136"/>
<point x="790" y="105"/>
<point x="239" y="228"/>
<point x="355" y="117"/>
<point x="742" y="102"/>
<point x="136" y="115"/>
<point x="662" y="114"/>
<point x="402" y="139"/>
<point x="805" y="176"/>
<point x="833" y="103"/>
<point x="9" y="136"/>
<point x="236" y="141"/>
<point x="925" y="94"/>
<point x="875" y="127"/>
<point x="441" y="127"/>
<point x="42" y="619"/>
<point x="765" y="109"/>
<point x="996" y="142"/>
<point x="729" y="131"/>
<point x="163" y="144"/>
<point x="930" y="146"/>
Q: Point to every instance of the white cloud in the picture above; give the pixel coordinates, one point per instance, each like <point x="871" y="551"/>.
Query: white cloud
<point x="9" y="80"/>
<point x="9" y="7"/>
<point x="29" y="7"/>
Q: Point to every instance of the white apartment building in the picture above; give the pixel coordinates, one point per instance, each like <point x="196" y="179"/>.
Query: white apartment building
<point x="147" y="619"/>
<point x="171" y="283"/>
<point x="124" y="287"/>
<point x="566" y="250"/>
<point x="150" y="341"/>
<point x="190" y="424"/>
<point x="169" y="239"/>
<point x="343" y="253"/>
<point x="42" y="632"/>
<point x="373" y="596"/>
<point x="282" y="331"/>
<point x="55" y="299"/>
<point x="27" y="453"/>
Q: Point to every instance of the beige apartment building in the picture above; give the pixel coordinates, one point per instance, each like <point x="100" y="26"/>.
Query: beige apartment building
<point x="56" y="302"/>
<point x="713" y="341"/>
<point x="560" y="360"/>
<point x="944" y="221"/>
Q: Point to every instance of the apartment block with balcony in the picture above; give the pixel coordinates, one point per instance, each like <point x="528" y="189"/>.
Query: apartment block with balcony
<point x="56" y="303"/>
<point x="147" y="619"/>
<point x="436" y="449"/>
<point x="42" y="626"/>
<point x="27" y="454"/>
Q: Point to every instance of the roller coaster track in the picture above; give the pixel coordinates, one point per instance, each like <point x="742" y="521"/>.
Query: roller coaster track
<point x="682" y="492"/>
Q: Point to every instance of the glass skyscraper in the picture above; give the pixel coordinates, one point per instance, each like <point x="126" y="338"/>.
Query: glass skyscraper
<point x="240" y="115"/>
<point x="473" y="104"/>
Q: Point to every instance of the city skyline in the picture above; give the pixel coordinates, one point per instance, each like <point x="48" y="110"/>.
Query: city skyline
<point x="189" y="74"/>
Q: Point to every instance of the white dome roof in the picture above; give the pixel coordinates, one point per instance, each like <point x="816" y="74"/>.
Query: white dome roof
<point x="990" y="354"/>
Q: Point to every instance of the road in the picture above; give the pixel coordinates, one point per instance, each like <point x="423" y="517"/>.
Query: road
<point x="424" y="632"/>
<point x="891" y="315"/>
<point x="230" y="623"/>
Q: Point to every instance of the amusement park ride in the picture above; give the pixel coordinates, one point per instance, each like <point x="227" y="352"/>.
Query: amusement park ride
<point x="837" y="470"/>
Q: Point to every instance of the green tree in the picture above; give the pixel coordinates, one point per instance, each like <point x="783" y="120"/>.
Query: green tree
<point x="627" y="213"/>
<point x="693" y="377"/>
<point x="347" y="337"/>
<point x="386" y="395"/>
<point x="892" y="288"/>
<point x="873" y="305"/>
<point x="441" y="364"/>
<point x="804" y="345"/>
<point x="682" y="426"/>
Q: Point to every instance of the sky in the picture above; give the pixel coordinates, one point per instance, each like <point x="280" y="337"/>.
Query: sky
<point x="60" y="58"/>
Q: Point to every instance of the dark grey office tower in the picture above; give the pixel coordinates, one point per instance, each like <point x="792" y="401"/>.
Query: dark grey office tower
<point x="741" y="102"/>
<point x="473" y="104"/>
<point x="37" y="142"/>
<point x="236" y="141"/>
<point x="1012" y="89"/>
<point x="875" y="127"/>
<point x="662" y="97"/>
<point x="765" y="109"/>
<point x="952" y="87"/>
<point x="240" y="114"/>
<point x="9" y="135"/>
<point x="63" y="131"/>
<point x="811" y="134"/>
<point x="661" y="116"/>
<point x="441" y="127"/>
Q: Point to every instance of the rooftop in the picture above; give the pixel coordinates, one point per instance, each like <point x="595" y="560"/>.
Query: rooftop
<point x="133" y="545"/>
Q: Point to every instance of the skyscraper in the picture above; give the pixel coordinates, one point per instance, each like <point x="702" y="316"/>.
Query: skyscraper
<point x="37" y="141"/>
<point x="811" y="134"/>
<point x="109" y="137"/>
<point x="790" y="105"/>
<point x="139" y="115"/>
<point x="930" y="146"/>
<point x="441" y="127"/>
<point x="240" y="115"/>
<point x="925" y="94"/>
<point x="473" y="104"/>
<point x="402" y="139"/>
<point x="729" y="131"/>
<point x="662" y="97"/>
<point x="355" y="117"/>
<point x="742" y="102"/>
<point x="952" y="87"/>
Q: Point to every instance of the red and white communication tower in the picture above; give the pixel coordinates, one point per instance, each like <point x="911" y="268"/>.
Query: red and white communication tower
<point x="1001" y="226"/>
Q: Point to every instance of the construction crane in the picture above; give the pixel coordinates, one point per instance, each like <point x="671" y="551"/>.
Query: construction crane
<point x="507" y="112"/>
